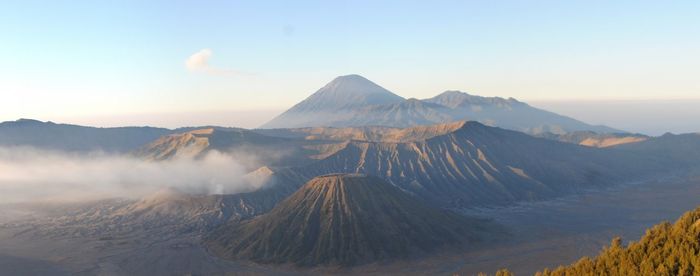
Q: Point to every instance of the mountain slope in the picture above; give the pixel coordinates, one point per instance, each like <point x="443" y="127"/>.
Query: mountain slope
<point x="411" y="112"/>
<point x="466" y="164"/>
<point x="51" y="136"/>
<point x="353" y="101"/>
<point x="593" y="139"/>
<point x="469" y="164"/>
<point x="682" y="150"/>
<point x="344" y="220"/>
<point x="510" y="114"/>
<point x="256" y="149"/>
<point x="367" y="133"/>
<point x="333" y="102"/>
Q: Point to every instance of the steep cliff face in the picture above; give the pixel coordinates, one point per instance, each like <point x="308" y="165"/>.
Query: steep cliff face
<point x="345" y="220"/>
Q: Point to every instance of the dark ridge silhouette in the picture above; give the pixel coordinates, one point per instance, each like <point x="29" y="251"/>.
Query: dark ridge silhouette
<point x="65" y="137"/>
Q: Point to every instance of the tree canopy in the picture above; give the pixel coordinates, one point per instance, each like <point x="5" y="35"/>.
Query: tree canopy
<point x="665" y="249"/>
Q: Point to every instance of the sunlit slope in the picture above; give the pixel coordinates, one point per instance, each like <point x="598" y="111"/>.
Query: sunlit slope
<point x="345" y="220"/>
<point x="665" y="249"/>
<point x="248" y="147"/>
<point x="473" y="164"/>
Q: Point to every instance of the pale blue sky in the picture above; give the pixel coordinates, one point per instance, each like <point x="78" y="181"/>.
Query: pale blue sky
<point x="85" y="60"/>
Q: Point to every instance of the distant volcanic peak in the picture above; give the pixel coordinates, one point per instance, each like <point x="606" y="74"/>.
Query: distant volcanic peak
<point x="337" y="101"/>
<point x="351" y="78"/>
<point x="358" y="85"/>
<point x="348" y="91"/>
<point x="356" y="81"/>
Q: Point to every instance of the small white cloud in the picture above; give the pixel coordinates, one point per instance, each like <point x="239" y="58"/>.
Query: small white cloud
<point x="199" y="62"/>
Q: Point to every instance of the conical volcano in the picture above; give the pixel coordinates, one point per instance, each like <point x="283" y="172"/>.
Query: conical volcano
<point x="338" y="100"/>
<point x="344" y="220"/>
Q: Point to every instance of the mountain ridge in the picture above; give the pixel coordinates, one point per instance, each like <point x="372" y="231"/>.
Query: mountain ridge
<point x="326" y="109"/>
<point x="68" y="137"/>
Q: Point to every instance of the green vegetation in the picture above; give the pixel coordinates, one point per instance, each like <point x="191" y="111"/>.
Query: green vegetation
<point x="500" y="272"/>
<point x="665" y="249"/>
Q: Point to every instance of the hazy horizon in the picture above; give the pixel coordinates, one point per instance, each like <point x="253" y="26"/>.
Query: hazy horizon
<point x="80" y="62"/>
<point x="649" y="117"/>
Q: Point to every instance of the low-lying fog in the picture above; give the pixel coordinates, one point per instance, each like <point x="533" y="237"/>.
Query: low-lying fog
<point x="28" y="174"/>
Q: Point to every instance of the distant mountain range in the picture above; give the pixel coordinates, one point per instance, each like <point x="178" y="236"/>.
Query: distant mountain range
<point x="353" y="100"/>
<point x="354" y="195"/>
<point x="452" y="165"/>
<point x="66" y="137"/>
<point x="347" y="101"/>
<point x="356" y="174"/>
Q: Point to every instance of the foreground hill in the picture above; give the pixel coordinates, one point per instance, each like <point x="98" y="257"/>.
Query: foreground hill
<point x="345" y="220"/>
<point x="351" y="101"/>
<point x="665" y="249"/>
<point x="64" y="137"/>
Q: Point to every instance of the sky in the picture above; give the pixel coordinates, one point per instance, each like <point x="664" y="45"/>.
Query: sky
<point x="238" y="63"/>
